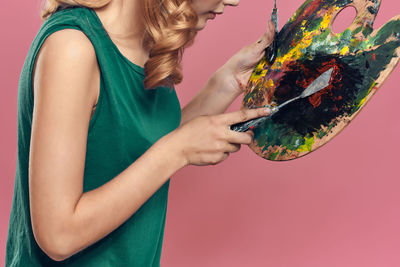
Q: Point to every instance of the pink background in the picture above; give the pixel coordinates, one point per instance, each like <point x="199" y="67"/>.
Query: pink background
<point x="335" y="207"/>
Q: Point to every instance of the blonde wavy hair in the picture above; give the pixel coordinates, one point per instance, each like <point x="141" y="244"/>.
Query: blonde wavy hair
<point x="169" y="29"/>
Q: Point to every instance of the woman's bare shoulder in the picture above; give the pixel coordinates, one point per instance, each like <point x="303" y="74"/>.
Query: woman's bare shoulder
<point x="67" y="56"/>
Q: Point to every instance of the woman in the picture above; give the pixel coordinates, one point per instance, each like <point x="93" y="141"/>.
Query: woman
<point x="100" y="129"/>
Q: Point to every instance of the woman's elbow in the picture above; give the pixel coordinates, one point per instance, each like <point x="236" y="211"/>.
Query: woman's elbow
<point x="55" y="244"/>
<point x="56" y="255"/>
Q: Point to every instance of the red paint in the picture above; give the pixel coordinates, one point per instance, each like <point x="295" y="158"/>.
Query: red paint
<point x="308" y="11"/>
<point x="315" y="99"/>
<point x="309" y="76"/>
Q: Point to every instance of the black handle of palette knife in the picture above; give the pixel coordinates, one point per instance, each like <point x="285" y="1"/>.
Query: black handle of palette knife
<point x="246" y="125"/>
<point x="271" y="50"/>
<point x="253" y="123"/>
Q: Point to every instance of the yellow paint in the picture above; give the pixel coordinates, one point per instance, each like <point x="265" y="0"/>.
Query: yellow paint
<point x="307" y="145"/>
<point x="270" y="83"/>
<point x="327" y="18"/>
<point x="295" y="52"/>
<point x="259" y="68"/>
<point x="345" y="50"/>
<point x="256" y="77"/>
<point x="303" y="27"/>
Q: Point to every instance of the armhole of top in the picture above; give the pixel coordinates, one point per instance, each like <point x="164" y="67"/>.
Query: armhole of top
<point x="30" y="89"/>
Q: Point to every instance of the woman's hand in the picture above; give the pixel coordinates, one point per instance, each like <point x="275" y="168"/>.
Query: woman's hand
<point x="208" y="140"/>
<point x="235" y="73"/>
<point x="229" y="81"/>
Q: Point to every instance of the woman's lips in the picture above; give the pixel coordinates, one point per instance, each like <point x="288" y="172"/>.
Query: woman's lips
<point x="211" y="15"/>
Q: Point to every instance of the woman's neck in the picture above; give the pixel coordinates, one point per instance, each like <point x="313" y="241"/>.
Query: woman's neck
<point x="123" y="22"/>
<point x="122" y="18"/>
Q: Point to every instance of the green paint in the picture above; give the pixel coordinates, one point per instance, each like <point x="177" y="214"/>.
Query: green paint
<point x="321" y="134"/>
<point x="357" y="30"/>
<point x="273" y="156"/>
<point x="386" y="32"/>
<point x="367" y="31"/>
<point x="314" y="24"/>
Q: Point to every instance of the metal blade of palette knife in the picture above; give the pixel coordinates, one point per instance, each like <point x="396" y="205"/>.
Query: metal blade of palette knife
<point x="317" y="85"/>
<point x="321" y="82"/>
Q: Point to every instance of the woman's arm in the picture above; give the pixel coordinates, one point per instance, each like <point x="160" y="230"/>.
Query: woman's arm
<point x="214" y="98"/>
<point x="228" y="82"/>
<point x="64" y="219"/>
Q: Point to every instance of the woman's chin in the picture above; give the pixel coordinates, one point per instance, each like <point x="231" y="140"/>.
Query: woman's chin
<point x="201" y="24"/>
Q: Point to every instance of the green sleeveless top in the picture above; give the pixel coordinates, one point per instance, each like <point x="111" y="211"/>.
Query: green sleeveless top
<point x="128" y="119"/>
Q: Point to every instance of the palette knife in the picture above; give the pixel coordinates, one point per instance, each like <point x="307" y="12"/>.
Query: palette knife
<point x="317" y="85"/>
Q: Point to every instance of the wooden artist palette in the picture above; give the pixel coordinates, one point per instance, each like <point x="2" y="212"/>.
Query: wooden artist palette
<point x="362" y="59"/>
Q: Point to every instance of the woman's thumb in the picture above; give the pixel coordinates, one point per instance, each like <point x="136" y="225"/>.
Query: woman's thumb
<point x="268" y="36"/>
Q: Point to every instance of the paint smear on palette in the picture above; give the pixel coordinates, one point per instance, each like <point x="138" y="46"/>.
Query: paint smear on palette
<point x="362" y="59"/>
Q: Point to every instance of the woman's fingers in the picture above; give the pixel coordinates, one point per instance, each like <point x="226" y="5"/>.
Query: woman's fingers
<point x="231" y="148"/>
<point x="243" y="115"/>
<point x="244" y="138"/>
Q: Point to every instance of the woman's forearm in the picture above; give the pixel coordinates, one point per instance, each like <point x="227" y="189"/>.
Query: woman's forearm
<point x="214" y="98"/>
<point x="100" y="211"/>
